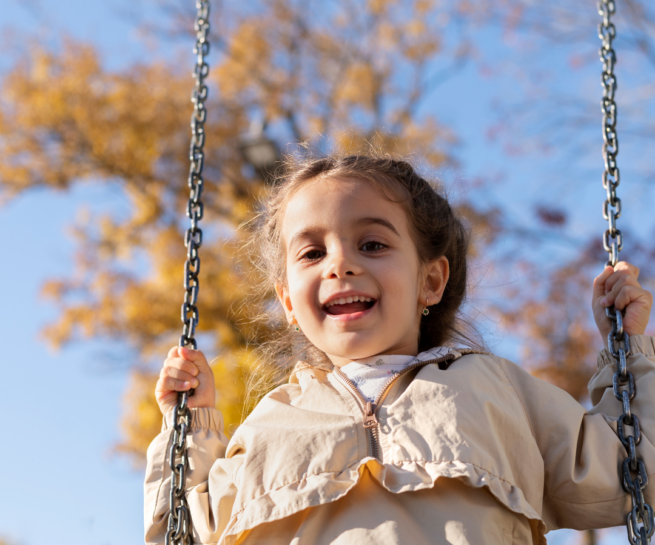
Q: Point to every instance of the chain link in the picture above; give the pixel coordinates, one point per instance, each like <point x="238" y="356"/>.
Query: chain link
<point x="612" y="240"/>
<point x="640" y="521"/>
<point x="179" y="520"/>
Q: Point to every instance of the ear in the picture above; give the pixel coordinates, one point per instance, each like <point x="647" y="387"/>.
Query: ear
<point x="436" y="273"/>
<point x="285" y="300"/>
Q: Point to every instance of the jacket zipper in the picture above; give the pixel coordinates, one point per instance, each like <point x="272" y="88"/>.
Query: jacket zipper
<point x="369" y="410"/>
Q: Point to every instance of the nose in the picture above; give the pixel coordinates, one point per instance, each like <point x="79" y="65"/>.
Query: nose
<point x="340" y="264"/>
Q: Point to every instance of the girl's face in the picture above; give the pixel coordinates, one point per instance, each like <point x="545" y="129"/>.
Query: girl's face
<point x="355" y="284"/>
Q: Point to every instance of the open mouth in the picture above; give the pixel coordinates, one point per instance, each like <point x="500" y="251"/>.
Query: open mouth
<point x="349" y="305"/>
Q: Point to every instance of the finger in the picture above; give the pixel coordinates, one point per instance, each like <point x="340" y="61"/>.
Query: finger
<point x="173" y="352"/>
<point x="622" y="268"/>
<point x="168" y="385"/>
<point x="182" y="365"/>
<point x="619" y="284"/>
<point x="633" y="270"/>
<point x="173" y="384"/>
<point x="195" y="356"/>
<point x="630" y="294"/>
<point x="182" y="375"/>
<point x="616" y="276"/>
<point x="166" y="398"/>
<point x="599" y="282"/>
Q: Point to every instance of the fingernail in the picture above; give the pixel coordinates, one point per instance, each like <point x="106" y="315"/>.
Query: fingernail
<point x="603" y="301"/>
<point x="187" y="384"/>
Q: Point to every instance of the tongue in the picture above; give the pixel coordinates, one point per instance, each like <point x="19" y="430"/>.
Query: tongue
<point x="348" y="308"/>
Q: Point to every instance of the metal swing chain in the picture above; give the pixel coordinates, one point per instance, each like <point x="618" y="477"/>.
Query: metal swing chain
<point x="179" y="521"/>
<point x="640" y="521"/>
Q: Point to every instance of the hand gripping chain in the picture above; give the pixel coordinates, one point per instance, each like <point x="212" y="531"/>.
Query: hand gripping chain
<point x="179" y="522"/>
<point x="639" y="520"/>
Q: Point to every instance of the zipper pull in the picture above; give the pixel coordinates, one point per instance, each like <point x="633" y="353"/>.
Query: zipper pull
<point x="370" y="421"/>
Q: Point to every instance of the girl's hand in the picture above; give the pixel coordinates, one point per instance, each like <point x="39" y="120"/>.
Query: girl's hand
<point x="185" y="369"/>
<point x="619" y="287"/>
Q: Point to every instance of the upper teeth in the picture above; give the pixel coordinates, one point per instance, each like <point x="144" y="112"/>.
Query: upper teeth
<point x="344" y="300"/>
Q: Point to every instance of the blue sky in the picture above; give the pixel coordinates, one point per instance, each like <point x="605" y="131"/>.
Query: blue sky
<point x="63" y="408"/>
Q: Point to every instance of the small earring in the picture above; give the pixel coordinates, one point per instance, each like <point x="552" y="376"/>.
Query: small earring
<point x="295" y="324"/>
<point x="426" y="310"/>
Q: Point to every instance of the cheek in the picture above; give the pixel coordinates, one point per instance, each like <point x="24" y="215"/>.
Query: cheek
<point x="301" y="289"/>
<point x="400" y="283"/>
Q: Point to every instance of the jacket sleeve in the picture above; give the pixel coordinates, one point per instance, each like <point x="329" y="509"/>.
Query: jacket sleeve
<point x="210" y="487"/>
<point x="581" y="449"/>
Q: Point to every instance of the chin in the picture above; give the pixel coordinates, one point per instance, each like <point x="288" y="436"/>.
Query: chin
<point x="355" y="349"/>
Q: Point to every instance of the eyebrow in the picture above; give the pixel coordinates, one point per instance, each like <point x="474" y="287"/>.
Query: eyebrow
<point x="377" y="221"/>
<point x="302" y="234"/>
<point x="358" y="223"/>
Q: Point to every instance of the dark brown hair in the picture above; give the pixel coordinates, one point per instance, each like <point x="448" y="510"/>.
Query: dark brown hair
<point x="436" y="230"/>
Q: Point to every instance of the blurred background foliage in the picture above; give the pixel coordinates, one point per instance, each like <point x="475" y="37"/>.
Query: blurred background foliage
<point x="335" y="75"/>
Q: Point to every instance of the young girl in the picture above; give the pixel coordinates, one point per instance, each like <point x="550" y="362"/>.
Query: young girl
<point x="386" y="434"/>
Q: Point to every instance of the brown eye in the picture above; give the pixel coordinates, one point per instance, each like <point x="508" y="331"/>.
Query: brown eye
<point x="373" y="246"/>
<point x="312" y="255"/>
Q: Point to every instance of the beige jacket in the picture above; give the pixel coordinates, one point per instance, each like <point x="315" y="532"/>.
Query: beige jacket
<point x="475" y="452"/>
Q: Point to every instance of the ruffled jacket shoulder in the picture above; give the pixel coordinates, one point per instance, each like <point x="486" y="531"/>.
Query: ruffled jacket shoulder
<point x="473" y="417"/>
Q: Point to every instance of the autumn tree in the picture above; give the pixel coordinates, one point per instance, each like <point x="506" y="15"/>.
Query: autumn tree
<point x="559" y="336"/>
<point x="335" y="75"/>
<point x="557" y="116"/>
<point x="341" y="75"/>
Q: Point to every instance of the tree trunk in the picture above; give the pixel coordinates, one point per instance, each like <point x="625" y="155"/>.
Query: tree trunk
<point x="590" y="538"/>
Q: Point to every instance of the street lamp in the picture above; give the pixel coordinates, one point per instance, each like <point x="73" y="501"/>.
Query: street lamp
<point x="259" y="151"/>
